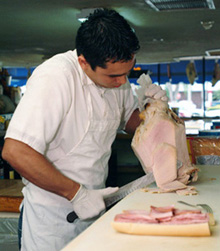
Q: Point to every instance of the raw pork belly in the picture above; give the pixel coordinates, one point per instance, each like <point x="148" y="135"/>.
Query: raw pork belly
<point x="159" y="143"/>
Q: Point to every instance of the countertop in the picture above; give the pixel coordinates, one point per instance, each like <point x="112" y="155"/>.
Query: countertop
<point x="101" y="236"/>
<point x="10" y="197"/>
<point x="11" y="188"/>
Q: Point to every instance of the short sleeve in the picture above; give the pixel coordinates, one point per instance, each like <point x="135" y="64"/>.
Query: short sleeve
<point x="38" y="116"/>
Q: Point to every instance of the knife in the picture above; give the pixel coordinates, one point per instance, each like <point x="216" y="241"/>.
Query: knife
<point x="121" y="193"/>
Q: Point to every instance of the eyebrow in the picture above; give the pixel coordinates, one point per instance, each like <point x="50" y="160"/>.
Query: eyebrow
<point x="118" y="75"/>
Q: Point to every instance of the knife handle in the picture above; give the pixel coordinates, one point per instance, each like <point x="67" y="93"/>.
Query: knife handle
<point x="71" y="217"/>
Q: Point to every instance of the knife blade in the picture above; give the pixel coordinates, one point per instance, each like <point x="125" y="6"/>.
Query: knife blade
<point x="123" y="191"/>
<point x="139" y="183"/>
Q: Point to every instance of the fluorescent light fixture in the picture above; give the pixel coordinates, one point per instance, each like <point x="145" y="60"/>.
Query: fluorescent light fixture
<point x="213" y="53"/>
<point x="192" y="58"/>
<point x="165" y="5"/>
<point x="84" y="13"/>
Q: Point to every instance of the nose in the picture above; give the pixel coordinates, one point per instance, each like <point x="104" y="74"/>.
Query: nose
<point x="121" y="80"/>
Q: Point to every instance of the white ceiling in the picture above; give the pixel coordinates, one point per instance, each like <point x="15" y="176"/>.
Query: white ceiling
<point x="33" y="30"/>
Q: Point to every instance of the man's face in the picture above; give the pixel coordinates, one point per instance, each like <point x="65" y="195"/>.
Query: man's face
<point x="113" y="76"/>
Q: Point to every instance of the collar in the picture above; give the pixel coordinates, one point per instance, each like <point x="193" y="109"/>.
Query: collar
<point x="85" y="80"/>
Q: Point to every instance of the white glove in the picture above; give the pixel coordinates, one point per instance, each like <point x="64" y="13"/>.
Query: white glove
<point x="90" y="203"/>
<point x="156" y="92"/>
<point x="148" y="90"/>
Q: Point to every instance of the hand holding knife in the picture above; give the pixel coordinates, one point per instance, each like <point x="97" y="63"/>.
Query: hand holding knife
<point x="111" y="198"/>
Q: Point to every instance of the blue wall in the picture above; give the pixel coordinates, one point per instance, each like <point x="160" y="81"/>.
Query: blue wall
<point x="19" y="75"/>
<point x="158" y="72"/>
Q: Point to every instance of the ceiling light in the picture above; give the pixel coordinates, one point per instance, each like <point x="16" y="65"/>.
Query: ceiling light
<point x="215" y="52"/>
<point x="190" y="58"/>
<point x="84" y="13"/>
<point x="164" y="5"/>
<point x="158" y="40"/>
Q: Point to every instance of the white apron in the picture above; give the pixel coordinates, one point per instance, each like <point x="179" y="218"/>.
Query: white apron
<point x="44" y="219"/>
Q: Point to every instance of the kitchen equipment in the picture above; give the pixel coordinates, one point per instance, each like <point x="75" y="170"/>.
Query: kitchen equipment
<point x="206" y="207"/>
<point x="124" y="191"/>
<point x="121" y="193"/>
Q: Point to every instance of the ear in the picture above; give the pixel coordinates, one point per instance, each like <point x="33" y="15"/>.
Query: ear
<point x="83" y="63"/>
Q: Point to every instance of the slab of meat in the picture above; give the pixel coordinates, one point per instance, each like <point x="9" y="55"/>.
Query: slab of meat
<point x="159" y="143"/>
<point x="163" y="215"/>
<point x="167" y="221"/>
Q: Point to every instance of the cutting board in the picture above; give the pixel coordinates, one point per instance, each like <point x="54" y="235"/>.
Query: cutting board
<point x="10" y="195"/>
<point x="101" y="236"/>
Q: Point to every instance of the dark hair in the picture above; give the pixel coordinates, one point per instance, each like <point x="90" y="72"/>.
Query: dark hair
<point x="106" y="36"/>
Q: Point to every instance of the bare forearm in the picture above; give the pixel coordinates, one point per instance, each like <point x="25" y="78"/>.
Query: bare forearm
<point x="37" y="169"/>
<point x="133" y="122"/>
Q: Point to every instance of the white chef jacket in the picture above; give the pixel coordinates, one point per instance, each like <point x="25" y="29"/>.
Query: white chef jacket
<point x="53" y="117"/>
<point x="42" y="119"/>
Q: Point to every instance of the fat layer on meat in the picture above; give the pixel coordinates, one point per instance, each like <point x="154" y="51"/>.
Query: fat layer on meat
<point x="163" y="215"/>
<point x="159" y="142"/>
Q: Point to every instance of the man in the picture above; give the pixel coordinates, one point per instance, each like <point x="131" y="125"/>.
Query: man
<point x="61" y="133"/>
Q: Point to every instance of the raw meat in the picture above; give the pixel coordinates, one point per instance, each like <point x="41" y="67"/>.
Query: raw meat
<point x="167" y="221"/>
<point x="159" y="143"/>
<point x="163" y="215"/>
